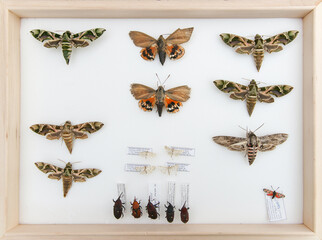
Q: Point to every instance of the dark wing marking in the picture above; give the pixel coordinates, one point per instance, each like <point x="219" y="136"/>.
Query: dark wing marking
<point x="239" y="91"/>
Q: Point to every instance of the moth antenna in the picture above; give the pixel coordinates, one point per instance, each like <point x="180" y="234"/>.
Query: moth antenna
<point x="242" y="128"/>
<point x="165" y="80"/>
<point x="259" y="127"/>
<point x="277" y="188"/>
<point x="272" y="187"/>
<point x="247" y="79"/>
<point x="76" y="162"/>
<point x="260" y="82"/>
<point x="158" y="78"/>
<point x="61" y="160"/>
<point x="166" y="34"/>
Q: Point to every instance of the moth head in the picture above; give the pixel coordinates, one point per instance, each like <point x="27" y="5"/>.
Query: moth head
<point x="69" y="165"/>
<point x="67" y="34"/>
<point x="253" y="81"/>
<point x="68" y="124"/>
<point x="257" y="37"/>
<point x="251" y="138"/>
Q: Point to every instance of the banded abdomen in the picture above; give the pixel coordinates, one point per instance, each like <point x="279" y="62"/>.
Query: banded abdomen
<point x="68" y="137"/>
<point x="251" y="102"/>
<point x="258" y="57"/>
<point x="67" y="50"/>
<point x="251" y="153"/>
<point x="67" y="183"/>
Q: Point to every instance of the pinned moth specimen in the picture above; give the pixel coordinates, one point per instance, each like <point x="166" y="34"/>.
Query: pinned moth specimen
<point x="118" y="207"/>
<point x="148" y="169"/>
<point x="67" y="40"/>
<point x="251" y="144"/>
<point x="169" y="46"/>
<point x="67" y="174"/>
<point x="147" y="154"/>
<point x="184" y="214"/>
<point x="152" y="209"/>
<point x="171" y="99"/>
<point x="173" y="151"/>
<point x="258" y="46"/>
<point x="252" y="93"/>
<point x="169" y="212"/>
<point x="273" y="193"/>
<point x="136" y="209"/>
<point x="67" y="132"/>
<point x="170" y="170"/>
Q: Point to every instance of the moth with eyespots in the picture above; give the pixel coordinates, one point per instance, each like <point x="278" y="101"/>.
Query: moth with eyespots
<point x="171" y="99"/>
<point x="169" y="46"/>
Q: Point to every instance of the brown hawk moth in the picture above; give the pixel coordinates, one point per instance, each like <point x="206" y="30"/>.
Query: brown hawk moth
<point x="67" y="131"/>
<point x="259" y="46"/>
<point x="67" y="174"/>
<point x="67" y="40"/>
<point x="252" y="93"/>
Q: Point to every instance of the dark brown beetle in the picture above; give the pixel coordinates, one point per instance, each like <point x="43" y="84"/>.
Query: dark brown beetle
<point x="136" y="209"/>
<point x="118" y="207"/>
<point x="184" y="213"/>
<point x="169" y="212"/>
<point x="152" y="211"/>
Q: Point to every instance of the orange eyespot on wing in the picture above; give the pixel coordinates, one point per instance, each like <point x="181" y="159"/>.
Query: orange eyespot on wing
<point x="147" y="104"/>
<point x="172" y="106"/>
<point x="149" y="53"/>
<point x="174" y="51"/>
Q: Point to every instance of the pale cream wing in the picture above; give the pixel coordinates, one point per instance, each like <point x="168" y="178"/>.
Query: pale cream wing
<point x="180" y="36"/>
<point x="140" y="91"/>
<point x="181" y="93"/>
<point x="141" y="39"/>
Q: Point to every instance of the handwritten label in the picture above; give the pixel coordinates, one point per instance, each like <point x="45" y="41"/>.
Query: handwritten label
<point x="182" y="167"/>
<point x="171" y="192"/>
<point x="121" y="190"/>
<point x="138" y="150"/>
<point x="275" y="208"/>
<point x="153" y="192"/>
<point x="184" y="151"/>
<point x="185" y="194"/>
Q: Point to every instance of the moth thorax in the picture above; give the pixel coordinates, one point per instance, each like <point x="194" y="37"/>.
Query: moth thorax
<point x="161" y="43"/>
<point x="252" y="139"/>
<point x="67" y="34"/>
<point x="68" y="125"/>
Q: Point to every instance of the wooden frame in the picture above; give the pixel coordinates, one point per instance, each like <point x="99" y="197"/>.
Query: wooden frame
<point x="13" y="10"/>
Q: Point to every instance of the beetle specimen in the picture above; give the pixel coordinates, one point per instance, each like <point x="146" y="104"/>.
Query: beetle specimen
<point x="118" y="207"/>
<point x="184" y="214"/>
<point x="169" y="212"/>
<point x="136" y="209"/>
<point x="152" y="209"/>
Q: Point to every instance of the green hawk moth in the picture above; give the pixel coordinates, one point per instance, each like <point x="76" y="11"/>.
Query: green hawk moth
<point x="259" y="46"/>
<point x="67" y="131"/>
<point x="67" y="174"/>
<point x="252" y="93"/>
<point x="251" y="144"/>
<point x="67" y="40"/>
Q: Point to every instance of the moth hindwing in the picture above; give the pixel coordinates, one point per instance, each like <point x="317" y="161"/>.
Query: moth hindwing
<point x="251" y="144"/>
<point x="67" y="131"/>
<point x="171" y="99"/>
<point x="258" y="46"/>
<point x="67" y="40"/>
<point x="67" y="174"/>
<point x="163" y="46"/>
<point x="252" y="93"/>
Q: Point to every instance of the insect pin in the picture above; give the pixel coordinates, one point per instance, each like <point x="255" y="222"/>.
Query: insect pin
<point x="118" y="207"/>
<point x="273" y="193"/>
<point x="169" y="212"/>
<point x="171" y="99"/>
<point x="67" y="40"/>
<point x="169" y="46"/>
<point x="67" y="174"/>
<point x="251" y="144"/>
<point x="136" y="208"/>
<point x="184" y="214"/>
<point x="259" y="46"/>
<point x="152" y="209"/>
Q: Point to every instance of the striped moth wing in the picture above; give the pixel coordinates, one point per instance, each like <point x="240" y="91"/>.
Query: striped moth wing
<point x="67" y="131"/>
<point x="252" y="93"/>
<point x="273" y="193"/>
<point x="67" y="174"/>
<point x="67" y="40"/>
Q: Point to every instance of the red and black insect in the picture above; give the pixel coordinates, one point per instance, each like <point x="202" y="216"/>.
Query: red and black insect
<point x="136" y="209"/>
<point x="184" y="213"/>
<point x="152" y="209"/>
<point x="169" y="212"/>
<point x="273" y="193"/>
<point x="118" y="207"/>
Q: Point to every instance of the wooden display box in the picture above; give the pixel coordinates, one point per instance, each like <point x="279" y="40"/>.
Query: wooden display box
<point x="11" y="13"/>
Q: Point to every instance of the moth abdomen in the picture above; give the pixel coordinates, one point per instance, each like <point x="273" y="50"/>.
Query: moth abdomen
<point x="68" y="139"/>
<point x="258" y="57"/>
<point x="67" y="50"/>
<point x="251" y="153"/>
<point x="67" y="184"/>
<point x="251" y="102"/>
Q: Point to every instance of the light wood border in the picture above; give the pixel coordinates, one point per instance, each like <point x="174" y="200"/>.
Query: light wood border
<point x="11" y="13"/>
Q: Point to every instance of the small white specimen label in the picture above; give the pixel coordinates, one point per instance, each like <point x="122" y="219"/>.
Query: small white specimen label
<point x="275" y="208"/>
<point x="171" y="192"/>
<point x="138" y="150"/>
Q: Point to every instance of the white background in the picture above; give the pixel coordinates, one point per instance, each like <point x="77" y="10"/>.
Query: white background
<point x="95" y="87"/>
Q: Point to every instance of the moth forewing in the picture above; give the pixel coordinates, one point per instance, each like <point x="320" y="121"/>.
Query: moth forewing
<point x="269" y="142"/>
<point x="180" y="36"/>
<point x="181" y="93"/>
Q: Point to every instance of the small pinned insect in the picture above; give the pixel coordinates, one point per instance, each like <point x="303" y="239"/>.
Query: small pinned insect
<point x="147" y="154"/>
<point x="152" y="209"/>
<point x="171" y="99"/>
<point x="170" y="169"/>
<point x="173" y="152"/>
<point x="169" y="212"/>
<point x="145" y="170"/>
<point x="184" y="215"/>
<point x="118" y="207"/>
<point x="273" y="193"/>
<point x="136" y="208"/>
